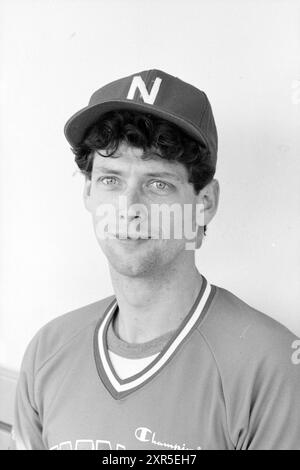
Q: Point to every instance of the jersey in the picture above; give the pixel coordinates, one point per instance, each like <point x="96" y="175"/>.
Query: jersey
<point x="228" y="378"/>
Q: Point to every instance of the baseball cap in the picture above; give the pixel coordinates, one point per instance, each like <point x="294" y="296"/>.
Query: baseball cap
<point x="157" y="93"/>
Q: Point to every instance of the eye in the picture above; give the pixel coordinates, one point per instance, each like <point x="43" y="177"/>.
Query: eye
<point x="108" y="180"/>
<point x="161" y="186"/>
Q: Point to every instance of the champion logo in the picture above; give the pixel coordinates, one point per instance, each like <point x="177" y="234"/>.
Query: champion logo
<point x="139" y="84"/>
<point x="146" y="435"/>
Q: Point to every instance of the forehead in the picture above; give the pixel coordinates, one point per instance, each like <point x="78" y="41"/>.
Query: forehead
<point x="129" y="159"/>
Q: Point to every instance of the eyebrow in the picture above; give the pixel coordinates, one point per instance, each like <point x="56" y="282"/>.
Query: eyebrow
<point x="158" y="174"/>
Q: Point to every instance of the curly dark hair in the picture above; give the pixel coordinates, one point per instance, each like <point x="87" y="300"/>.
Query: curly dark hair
<point x="154" y="135"/>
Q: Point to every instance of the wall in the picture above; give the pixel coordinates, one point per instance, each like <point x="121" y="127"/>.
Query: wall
<point x="54" y="54"/>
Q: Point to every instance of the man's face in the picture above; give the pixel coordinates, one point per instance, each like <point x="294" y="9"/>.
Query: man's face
<point x="125" y="180"/>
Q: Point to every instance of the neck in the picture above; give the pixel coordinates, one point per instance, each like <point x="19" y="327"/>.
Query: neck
<point x="152" y="306"/>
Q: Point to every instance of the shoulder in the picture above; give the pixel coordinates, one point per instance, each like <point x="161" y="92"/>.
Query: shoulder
<point x="259" y="371"/>
<point x="238" y="333"/>
<point x="57" y="333"/>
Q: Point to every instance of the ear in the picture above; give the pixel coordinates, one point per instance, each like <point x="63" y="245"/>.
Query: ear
<point x="87" y="193"/>
<point x="208" y="200"/>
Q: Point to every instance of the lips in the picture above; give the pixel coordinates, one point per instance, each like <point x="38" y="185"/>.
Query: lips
<point x="120" y="237"/>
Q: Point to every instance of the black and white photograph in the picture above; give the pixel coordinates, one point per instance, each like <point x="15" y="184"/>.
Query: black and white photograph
<point x="149" y="227"/>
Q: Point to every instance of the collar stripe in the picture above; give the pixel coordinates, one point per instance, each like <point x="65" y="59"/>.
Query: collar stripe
<point x="162" y="358"/>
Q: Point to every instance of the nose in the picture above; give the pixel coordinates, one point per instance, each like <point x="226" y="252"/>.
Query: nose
<point x="131" y="206"/>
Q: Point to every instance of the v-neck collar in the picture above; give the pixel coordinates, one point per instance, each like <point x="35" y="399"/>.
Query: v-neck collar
<point x="121" y="388"/>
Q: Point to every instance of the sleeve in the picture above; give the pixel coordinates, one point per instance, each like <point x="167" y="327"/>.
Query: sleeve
<point x="27" y="425"/>
<point x="274" y="414"/>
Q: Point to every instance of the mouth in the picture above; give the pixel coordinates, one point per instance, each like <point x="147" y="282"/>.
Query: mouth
<point x="133" y="240"/>
<point x="127" y="238"/>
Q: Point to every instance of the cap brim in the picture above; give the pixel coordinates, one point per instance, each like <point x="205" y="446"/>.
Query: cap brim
<point x="76" y="127"/>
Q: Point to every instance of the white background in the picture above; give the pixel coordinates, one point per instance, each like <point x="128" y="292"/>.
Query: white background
<point x="54" y="54"/>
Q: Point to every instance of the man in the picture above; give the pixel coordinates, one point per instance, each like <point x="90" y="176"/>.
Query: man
<point x="169" y="361"/>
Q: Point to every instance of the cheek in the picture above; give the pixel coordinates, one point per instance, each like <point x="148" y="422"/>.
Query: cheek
<point x="100" y="197"/>
<point x="105" y="218"/>
<point x="175" y="225"/>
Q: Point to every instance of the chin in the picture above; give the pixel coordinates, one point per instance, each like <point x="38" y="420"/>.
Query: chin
<point x="141" y="262"/>
<point x="133" y="268"/>
<point x="134" y="265"/>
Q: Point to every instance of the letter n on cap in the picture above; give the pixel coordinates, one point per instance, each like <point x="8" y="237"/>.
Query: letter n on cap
<point x="138" y="83"/>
